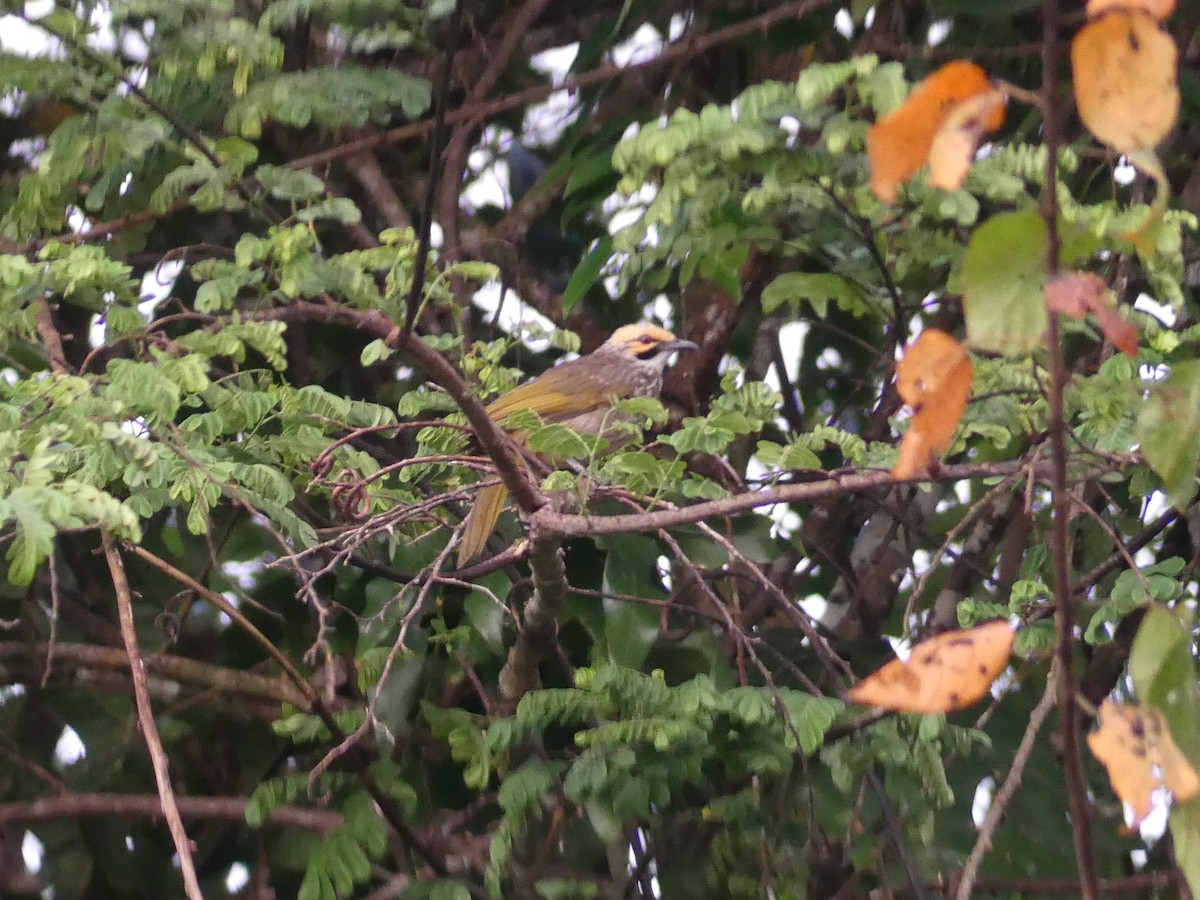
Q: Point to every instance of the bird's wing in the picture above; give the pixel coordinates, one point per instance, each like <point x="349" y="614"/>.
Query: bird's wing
<point x="565" y="389"/>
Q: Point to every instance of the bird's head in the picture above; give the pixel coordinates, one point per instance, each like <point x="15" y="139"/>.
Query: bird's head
<point x="647" y="343"/>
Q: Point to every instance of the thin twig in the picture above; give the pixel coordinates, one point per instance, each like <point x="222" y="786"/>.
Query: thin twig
<point x="1064" y="621"/>
<point x="145" y="714"/>
<point x="1012" y="780"/>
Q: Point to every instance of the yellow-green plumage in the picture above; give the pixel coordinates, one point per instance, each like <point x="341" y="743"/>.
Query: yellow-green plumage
<point x="628" y="364"/>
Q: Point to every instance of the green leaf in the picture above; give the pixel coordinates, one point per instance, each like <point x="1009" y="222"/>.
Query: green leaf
<point x="1003" y="277"/>
<point x="289" y="184"/>
<point x="819" y="289"/>
<point x="586" y="273"/>
<point x="1185" y="833"/>
<point x="1169" y="431"/>
<point x="1164" y="674"/>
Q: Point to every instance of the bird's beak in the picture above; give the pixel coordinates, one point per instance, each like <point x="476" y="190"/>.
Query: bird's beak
<point x="679" y="344"/>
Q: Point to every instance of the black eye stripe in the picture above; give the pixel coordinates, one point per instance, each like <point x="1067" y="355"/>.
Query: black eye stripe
<point x="647" y="352"/>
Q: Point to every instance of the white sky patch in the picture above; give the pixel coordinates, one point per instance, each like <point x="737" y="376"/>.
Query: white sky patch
<point x="238" y="878"/>
<point x="938" y="32"/>
<point x="644" y="44"/>
<point x="1156" y="505"/>
<point x="33" y="851"/>
<point x="70" y="748"/>
<point x="555" y="62"/>
<point x="1155" y="825"/>
<point x="488" y="185"/>
<point x="19" y="36"/>
<point x="843" y="23"/>
<point x="545" y="122"/>
<point x="1124" y="173"/>
<point x="1160" y="311"/>
<point x="243" y="574"/>
<point x="515" y="314"/>
<point x="661" y="310"/>
<point x="962" y="490"/>
<point x="136" y="427"/>
<point x="829" y="359"/>
<point x="664" y="572"/>
<point x="984" y="792"/>
<point x="157" y="285"/>
<point x="815" y="607"/>
<point x="785" y="521"/>
<point x="134" y="43"/>
<point x="10" y="691"/>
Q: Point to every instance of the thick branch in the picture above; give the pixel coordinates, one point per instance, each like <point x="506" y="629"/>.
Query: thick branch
<point x="20" y="660"/>
<point x="146" y="806"/>
<point x="539" y="619"/>
<point x="837" y="485"/>
<point x="492" y="438"/>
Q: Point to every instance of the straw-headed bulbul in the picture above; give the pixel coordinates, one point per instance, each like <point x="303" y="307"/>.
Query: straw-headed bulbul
<point x="579" y="394"/>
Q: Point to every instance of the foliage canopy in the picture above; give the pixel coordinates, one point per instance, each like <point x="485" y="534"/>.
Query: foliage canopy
<point x="255" y="279"/>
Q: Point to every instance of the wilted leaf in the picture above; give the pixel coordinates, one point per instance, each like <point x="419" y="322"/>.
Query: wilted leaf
<point x="899" y="143"/>
<point x="1157" y="9"/>
<point x="949" y="672"/>
<point x="1076" y="294"/>
<point x="955" y="143"/>
<point x="934" y="378"/>
<point x="1136" y="747"/>
<point x="1126" y="83"/>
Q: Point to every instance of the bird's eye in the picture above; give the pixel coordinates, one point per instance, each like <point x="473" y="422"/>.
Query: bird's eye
<point x="646" y="351"/>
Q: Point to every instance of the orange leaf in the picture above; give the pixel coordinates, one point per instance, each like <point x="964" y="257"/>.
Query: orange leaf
<point x="934" y="378"/>
<point x="899" y="143"/>
<point x="1126" y="84"/>
<point x="1135" y="745"/>
<point x="954" y="145"/>
<point x="1156" y="9"/>
<point x="1078" y="293"/>
<point x="949" y="672"/>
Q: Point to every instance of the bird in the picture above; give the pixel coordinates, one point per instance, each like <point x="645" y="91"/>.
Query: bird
<point x="579" y="394"/>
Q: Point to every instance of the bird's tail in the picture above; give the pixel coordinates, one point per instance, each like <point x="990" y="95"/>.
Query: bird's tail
<point x="481" y="521"/>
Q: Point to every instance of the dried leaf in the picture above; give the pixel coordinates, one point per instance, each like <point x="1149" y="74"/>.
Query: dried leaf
<point x="1078" y="293"/>
<point x="934" y="378"/>
<point x="1136" y="747"/>
<point x="1159" y="10"/>
<point x="955" y="143"/>
<point x="1126" y="83"/>
<point x="899" y="143"/>
<point x="949" y="672"/>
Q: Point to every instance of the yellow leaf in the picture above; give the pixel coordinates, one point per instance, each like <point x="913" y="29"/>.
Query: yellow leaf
<point x="1126" y="83"/>
<point x="934" y="378"/>
<point x="1136" y="747"/>
<point x="1156" y="9"/>
<point x="949" y="672"/>
<point x="954" y="145"/>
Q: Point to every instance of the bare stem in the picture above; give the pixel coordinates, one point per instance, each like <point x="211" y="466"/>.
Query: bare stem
<point x="141" y="697"/>
<point x="1064" y="619"/>
<point x="1011" y="781"/>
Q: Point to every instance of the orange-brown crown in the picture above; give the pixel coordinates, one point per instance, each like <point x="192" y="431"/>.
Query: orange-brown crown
<point x="642" y="338"/>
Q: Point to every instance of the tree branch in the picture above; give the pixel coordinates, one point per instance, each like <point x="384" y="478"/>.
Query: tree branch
<point x="1064" y="621"/>
<point x="145" y="715"/>
<point x="147" y="806"/>
<point x="1012" y="780"/>
<point x="19" y="659"/>
<point x="837" y="484"/>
